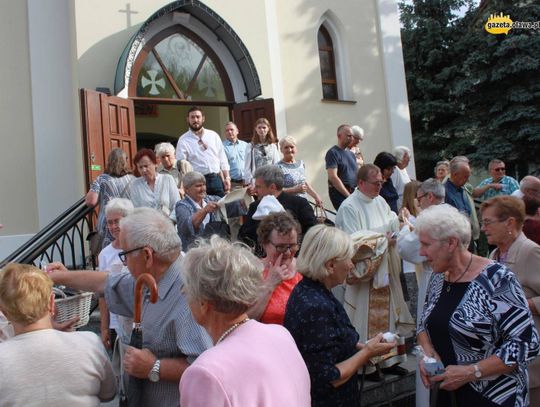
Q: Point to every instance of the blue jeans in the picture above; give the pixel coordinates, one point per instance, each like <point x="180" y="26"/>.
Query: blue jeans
<point x="335" y="197"/>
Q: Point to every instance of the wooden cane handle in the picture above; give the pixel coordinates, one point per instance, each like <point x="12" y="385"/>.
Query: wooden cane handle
<point x="149" y="281"/>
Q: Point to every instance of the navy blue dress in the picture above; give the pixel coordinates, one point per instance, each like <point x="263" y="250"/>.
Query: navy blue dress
<point x="325" y="336"/>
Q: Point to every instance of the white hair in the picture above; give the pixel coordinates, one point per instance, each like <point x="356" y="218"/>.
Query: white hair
<point x="224" y="273"/>
<point x="192" y="178"/>
<point x="149" y="227"/>
<point x="442" y="222"/>
<point x="400" y="151"/>
<point x="287" y="139"/>
<point x="119" y="205"/>
<point x="164" y="148"/>
<point x="322" y="243"/>
<point x="357" y="131"/>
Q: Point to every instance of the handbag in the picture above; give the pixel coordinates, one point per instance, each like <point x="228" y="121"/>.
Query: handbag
<point x="370" y="250"/>
<point x="217" y="226"/>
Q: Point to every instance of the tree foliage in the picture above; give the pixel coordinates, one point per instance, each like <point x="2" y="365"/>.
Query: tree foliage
<point x="471" y="92"/>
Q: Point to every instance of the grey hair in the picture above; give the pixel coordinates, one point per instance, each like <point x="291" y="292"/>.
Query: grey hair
<point x="442" y="222"/>
<point x="400" y="151"/>
<point x="434" y="186"/>
<point x="322" y="243"/>
<point x="357" y="132"/>
<point x="493" y="162"/>
<point x="149" y="227"/>
<point x="192" y="178"/>
<point x="119" y="205"/>
<point x="458" y="163"/>
<point x="270" y="174"/>
<point x="164" y="148"/>
<point x="287" y="139"/>
<point x="224" y="273"/>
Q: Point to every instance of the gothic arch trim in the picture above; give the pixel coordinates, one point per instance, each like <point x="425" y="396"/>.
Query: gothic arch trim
<point x="214" y="23"/>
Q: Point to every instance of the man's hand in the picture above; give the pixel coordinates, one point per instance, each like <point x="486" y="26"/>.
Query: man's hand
<point x="227" y="185"/>
<point x="138" y="362"/>
<point x="55" y="266"/>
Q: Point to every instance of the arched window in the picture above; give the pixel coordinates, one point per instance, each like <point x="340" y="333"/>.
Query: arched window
<point x="177" y="64"/>
<point x="328" y="64"/>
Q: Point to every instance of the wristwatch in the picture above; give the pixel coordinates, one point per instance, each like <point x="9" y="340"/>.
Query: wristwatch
<point x="477" y="372"/>
<point x="153" y="376"/>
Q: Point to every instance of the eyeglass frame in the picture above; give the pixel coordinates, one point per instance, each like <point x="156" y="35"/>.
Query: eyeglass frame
<point x="500" y="169"/>
<point x="490" y="222"/>
<point x="378" y="183"/>
<point x="123" y="254"/>
<point x="291" y="247"/>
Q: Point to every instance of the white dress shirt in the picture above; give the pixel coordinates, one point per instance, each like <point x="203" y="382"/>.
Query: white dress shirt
<point x="205" y="154"/>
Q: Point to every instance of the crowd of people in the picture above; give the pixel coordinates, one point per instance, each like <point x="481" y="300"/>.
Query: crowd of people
<point x="263" y="305"/>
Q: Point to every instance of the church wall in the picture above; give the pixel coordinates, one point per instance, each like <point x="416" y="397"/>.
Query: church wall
<point x="18" y="205"/>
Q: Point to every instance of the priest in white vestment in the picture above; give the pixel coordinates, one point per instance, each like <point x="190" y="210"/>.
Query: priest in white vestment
<point x="376" y="304"/>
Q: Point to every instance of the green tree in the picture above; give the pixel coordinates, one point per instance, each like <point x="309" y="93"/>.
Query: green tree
<point x="488" y="87"/>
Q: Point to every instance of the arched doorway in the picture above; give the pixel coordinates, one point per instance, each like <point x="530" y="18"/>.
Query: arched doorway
<point x="185" y="54"/>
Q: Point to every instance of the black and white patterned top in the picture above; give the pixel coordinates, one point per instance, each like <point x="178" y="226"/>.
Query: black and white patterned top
<point x="492" y="318"/>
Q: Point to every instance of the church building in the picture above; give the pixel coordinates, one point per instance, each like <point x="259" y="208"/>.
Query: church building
<point x="80" y="77"/>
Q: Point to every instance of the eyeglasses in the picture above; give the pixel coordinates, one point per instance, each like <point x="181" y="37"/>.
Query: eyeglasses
<point x="487" y="222"/>
<point x="500" y="169"/>
<point x="282" y="248"/>
<point x="202" y="144"/>
<point x="378" y="183"/>
<point x="112" y="222"/>
<point x="123" y="254"/>
<point x="420" y="197"/>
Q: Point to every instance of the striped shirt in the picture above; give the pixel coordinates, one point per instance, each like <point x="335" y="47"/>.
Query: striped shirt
<point x="169" y="330"/>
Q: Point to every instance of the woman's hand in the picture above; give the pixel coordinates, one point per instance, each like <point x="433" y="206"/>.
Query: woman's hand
<point x="301" y="188"/>
<point x="278" y="272"/>
<point x="454" y="377"/>
<point x="376" y="347"/>
<point x="211" y="207"/>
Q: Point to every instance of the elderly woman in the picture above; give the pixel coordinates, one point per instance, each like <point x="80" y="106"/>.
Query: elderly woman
<point x="319" y="324"/>
<point x="169" y="165"/>
<point x="251" y="364"/>
<point x="476" y="320"/>
<point x="442" y="170"/>
<point x="194" y="211"/>
<point x="151" y="189"/>
<point x="261" y="151"/>
<point x="278" y="234"/>
<point x="111" y="324"/>
<point x="387" y="164"/>
<point x="40" y="365"/>
<point x="113" y="183"/>
<point x="294" y="172"/>
<point x="502" y="222"/>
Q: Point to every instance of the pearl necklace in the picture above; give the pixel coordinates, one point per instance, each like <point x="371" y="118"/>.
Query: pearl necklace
<point x="232" y="328"/>
<point x="449" y="287"/>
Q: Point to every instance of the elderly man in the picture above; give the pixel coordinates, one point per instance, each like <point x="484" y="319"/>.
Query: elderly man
<point x="529" y="187"/>
<point x="497" y="184"/>
<point x="204" y="150"/>
<point x="372" y="307"/>
<point x="459" y="193"/>
<point x="171" y="338"/>
<point x="431" y="192"/>
<point x="354" y="146"/>
<point x="341" y="167"/>
<point x="269" y="181"/>
<point x="235" y="150"/>
<point x="176" y="168"/>
<point x="400" y="177"/>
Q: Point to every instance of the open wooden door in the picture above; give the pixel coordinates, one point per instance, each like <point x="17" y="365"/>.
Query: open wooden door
<point x="108" y="122"/>
<point x="246" y="114"/>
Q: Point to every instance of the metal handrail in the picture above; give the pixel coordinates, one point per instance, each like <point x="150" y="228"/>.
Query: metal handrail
<point x="64" y="239"/>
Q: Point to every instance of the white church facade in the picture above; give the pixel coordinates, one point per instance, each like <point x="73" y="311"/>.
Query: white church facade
<point x="309" y="64"/>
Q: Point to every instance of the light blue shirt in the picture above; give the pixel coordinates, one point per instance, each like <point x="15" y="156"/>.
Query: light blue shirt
<point x="235" y="153"/>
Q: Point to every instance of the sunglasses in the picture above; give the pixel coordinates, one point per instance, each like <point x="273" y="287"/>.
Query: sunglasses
<point x="202" y="144"/>
<point x="500" y="169"/>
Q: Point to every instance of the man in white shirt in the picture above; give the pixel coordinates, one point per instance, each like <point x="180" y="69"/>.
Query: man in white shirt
<point x="204" y="150"/>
